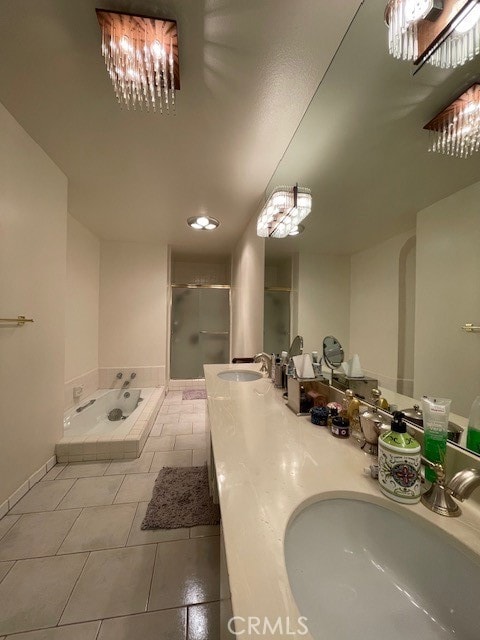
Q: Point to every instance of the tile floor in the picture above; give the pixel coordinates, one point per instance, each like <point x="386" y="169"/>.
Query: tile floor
<point x="75" y="565"/>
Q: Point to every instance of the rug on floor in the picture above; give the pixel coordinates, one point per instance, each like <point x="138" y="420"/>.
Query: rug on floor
<point x="181" y="499"/>
<point x="194" y="394"/>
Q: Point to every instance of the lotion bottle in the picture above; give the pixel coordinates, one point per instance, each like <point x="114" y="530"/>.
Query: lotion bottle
<point x="473" y="433"/>
<point x="399" y="463"/>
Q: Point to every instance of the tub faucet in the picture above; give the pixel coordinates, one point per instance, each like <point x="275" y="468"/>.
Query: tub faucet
<point x="125" y="384"/>
<point x="267" y="363"/>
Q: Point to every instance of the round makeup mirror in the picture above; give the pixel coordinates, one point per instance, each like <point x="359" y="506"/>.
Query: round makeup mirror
<point x="332" y="352"/>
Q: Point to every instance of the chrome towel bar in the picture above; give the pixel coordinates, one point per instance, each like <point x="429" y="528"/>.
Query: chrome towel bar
<point x="19" y="320"/>
<point x="471" y="328"/>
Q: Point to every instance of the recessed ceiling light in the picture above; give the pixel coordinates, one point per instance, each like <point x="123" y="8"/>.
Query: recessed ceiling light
<point x="203" y="223"/>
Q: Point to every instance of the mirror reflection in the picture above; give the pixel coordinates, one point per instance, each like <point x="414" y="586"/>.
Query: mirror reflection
<point x="389" y="260"/>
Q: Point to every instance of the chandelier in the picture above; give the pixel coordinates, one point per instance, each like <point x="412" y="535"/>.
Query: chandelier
<point x="444" y="33"/>
<point x="455" y="131"/>
<point x="141" y="56"/>
<point x="284" y="211"/>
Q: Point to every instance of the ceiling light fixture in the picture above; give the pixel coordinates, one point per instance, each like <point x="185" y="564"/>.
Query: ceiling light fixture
<point x="296" y="231"/>
<point x="445" y="34"/>
<point x="455" y="131"/>
<point x="402" y="18"/>
<point x="284" y="210"/>
<point x="141" y="56"/>
<point x="203" y="223"/>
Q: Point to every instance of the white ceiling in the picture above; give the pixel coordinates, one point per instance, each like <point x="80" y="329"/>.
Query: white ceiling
<point x="361" y="146"/>
<point x="248" y="71"/>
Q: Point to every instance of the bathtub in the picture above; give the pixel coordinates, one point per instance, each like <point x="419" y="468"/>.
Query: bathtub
<point x="93" y="420"/>
<point x="89" y="434"/>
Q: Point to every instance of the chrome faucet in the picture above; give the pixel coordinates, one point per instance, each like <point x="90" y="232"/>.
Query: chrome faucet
<point x="439" y="498"/>
<point x="463" y="483"/>
<point x="267" y="363"/>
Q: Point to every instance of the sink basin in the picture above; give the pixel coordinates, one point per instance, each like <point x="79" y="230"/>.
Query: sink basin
<point x="239" y="376"/>
<point x="359" y="570"/>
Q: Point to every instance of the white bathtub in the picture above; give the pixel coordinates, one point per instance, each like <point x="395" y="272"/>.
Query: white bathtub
<point x="93" y="420"/>
<point x="90" y="435"/>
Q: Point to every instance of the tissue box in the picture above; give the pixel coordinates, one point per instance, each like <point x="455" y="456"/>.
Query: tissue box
<point x="293" y="387"/>
<point x="361" y="387"/>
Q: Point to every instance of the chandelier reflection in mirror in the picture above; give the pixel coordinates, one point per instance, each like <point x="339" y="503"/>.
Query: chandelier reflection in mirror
<point x="284" y="211"/>
<point x="455" y="131"/>
<point x="141" y="56"/>
<point x="444" y="33"/>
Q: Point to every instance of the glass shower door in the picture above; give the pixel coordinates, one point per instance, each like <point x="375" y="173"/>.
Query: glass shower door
<point x="200" y="330"/>
<point x="276" y="322"/>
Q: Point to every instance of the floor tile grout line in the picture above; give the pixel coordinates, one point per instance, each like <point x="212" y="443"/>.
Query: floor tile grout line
<point x="151" y="579"/>
<point x="14" y="562"/>
<point x="75" y="480"/>
<point x="117" y="491"/>
<point x="100" y="622"/>
<point x="114" y="617"/>
<point x="88" y="553"/>
<point x="20" y="516"/>
<point x="131" y="525"/>
<point x="68" y="532"/>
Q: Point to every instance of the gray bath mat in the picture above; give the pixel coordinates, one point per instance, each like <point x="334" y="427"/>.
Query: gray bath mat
<point x="194" y="394"/>
<point x="181" y="499"/>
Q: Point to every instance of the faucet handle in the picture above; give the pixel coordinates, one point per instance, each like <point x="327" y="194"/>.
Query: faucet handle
<point x="438" y="498"/>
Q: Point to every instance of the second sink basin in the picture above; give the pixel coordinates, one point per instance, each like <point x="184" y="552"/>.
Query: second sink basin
<point x="239" y="376"/>
<point x="359" y="570"/>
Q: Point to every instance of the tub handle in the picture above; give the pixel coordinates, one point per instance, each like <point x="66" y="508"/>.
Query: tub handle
<point x="85" y="406"/>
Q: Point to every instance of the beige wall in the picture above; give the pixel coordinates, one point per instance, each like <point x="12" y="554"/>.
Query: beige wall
<point x="33" y="216"/>
<point x="374" y="308"/>
<point x="248" y="268"/>
<point x="323" y="300"/>
<point x="133" y="305"/>
<point x="447" y="360"/>
<point x="82" y="300"/>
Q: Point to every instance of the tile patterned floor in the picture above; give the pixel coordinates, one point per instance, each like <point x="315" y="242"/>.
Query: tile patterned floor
<point x="75" y="565"/>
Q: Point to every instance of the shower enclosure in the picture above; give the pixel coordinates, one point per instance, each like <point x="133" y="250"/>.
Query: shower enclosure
<point x="276" y="322"/>
<point x="200" y="329"/>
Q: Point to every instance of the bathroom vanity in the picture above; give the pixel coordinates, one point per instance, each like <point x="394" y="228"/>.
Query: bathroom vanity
<point x="270" y="467"/>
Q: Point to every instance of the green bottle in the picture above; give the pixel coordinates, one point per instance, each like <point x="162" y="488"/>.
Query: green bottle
<point x="435" y="427"/>
<point x="473" y="432"/>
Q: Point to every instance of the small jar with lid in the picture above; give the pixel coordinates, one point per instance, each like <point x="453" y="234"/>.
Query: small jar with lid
<point x="340" y="427"/>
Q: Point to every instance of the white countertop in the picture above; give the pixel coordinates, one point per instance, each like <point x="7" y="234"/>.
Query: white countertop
<point x="268" y="463"/>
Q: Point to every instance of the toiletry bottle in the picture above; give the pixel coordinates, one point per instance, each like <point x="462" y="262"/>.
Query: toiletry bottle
<point x="399" y="463"/>
<point x="435" y="427"/>
<point x="473" y="432"/>
<point x="353" y="414"/>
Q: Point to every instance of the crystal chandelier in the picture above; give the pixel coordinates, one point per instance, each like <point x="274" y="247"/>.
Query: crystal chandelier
<point x="141" y="56"/>
<point x="284" y="211"/>
<point x="455" y="131"/>
<point x="402" y="18"/>
<point x="444" y="33"/>
<point x="463" y="43"/>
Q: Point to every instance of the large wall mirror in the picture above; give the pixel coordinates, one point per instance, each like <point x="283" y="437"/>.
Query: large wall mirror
<point x="389" y="260"/>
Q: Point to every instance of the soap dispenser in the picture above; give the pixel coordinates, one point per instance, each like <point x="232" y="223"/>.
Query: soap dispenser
<point x="399" y="463"/>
